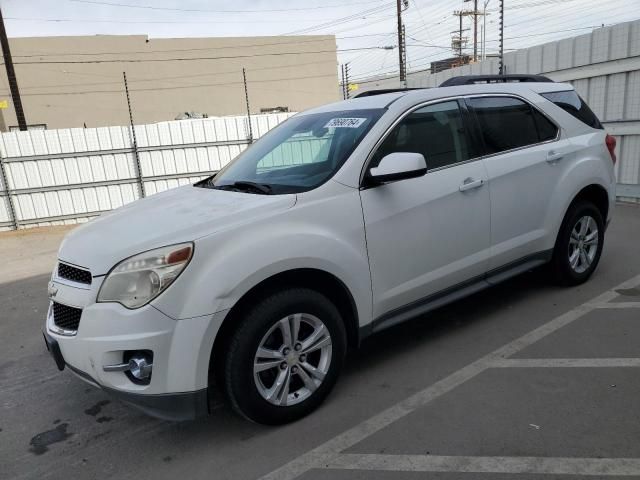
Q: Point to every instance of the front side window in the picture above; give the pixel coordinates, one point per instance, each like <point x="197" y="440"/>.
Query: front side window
<point x="298" y="155"/>
<point x="436" y="131"/>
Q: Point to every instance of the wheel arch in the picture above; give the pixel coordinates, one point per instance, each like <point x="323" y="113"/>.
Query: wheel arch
<point x="316" y="279"/>
<point x="596" y="194"/>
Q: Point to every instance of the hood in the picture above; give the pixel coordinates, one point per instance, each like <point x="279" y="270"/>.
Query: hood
<point x="178" y="215"/>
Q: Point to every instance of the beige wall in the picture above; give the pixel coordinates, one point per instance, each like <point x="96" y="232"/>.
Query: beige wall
<point x="72" y="94"/>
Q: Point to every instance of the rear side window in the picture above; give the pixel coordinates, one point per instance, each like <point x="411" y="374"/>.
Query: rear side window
<point x="571" y="103"/>
<point x="436" y="131"/>
<point x="507" y="123"/>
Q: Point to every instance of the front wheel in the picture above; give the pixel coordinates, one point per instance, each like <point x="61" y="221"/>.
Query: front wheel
<point x="579" y="244"/>
<point x="285" y="356"/>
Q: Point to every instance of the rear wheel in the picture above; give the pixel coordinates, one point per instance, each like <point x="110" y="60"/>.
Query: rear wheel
<point x="285" y="356"/>
<point x="579" y="244"/>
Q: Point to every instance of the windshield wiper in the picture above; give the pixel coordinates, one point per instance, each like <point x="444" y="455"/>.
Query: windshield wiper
<point x="246" y="185"/>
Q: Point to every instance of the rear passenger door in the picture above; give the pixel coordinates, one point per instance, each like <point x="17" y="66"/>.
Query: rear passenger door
<point x="522" y="152"/>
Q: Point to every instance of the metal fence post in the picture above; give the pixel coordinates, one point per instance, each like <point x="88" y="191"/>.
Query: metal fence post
<point x="7" y="191"/>
<point x="246" y="98"/>
<point x="133" y="138"/>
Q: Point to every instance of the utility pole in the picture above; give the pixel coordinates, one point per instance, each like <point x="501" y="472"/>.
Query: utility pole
<point x="402" y="55"/>
<point x="458" y="40"/>
<point x="476" y="13"/>
<point x="344" y="85"/>
<point x="11" y="76"/>
<point x="501" y="65"/>
<point x="475" y="30"/>
<point x="484" y="30"/>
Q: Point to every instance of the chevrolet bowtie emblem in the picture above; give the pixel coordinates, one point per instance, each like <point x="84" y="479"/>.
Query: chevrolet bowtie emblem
<point x="52" y="290"/>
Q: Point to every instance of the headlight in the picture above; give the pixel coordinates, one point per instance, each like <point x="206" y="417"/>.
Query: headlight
<point x="136" y="281"/>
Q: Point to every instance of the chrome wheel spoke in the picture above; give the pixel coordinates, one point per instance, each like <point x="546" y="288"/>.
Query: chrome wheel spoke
<point x="584" y="226"/>
<point x="316" y="336"/>
<point x="285" y="328"/>
<point x="313" y="371"/>
<point x="584" y="260"/>
<point x="295" y="327"/>
<point x="269" y="364"/>
<point x="322" y="342"/>
<point x="269" y="353"/>
<point x="280" y="388"/>
<point x="592" y="238"/>
<point x="574" y="258"/>
<point x="308" y="381"/>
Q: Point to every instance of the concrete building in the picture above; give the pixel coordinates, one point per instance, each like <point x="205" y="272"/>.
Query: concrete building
<point x="77" y="81"/>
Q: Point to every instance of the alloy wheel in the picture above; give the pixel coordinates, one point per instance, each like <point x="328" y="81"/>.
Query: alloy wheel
<point x="292" y="359"/>
<point x="583" y="244"/>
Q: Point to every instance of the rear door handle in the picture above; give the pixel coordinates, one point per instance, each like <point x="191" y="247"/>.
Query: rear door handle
<point x="470" y="184"/>
<point x="554" y="156"/>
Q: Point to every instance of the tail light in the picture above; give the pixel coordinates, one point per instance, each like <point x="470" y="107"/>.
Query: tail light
<point x="610" y="141"/>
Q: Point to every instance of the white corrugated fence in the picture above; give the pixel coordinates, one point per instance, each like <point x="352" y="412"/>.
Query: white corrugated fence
<point x="70" y="175"/>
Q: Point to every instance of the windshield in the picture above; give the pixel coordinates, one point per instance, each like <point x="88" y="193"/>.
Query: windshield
<point x="298" y="155"/>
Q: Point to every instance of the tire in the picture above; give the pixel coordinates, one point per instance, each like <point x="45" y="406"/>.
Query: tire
<point x="311" y="371"/>
<point x="572" y="241"/>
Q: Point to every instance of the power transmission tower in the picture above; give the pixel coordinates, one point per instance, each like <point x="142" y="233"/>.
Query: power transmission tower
<point x="11" y="76"/>
<point x="501" y="67"/>
<point x="402" y="47"/>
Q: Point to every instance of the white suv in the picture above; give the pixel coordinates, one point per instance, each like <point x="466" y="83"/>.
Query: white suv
<point x="340" y="222"/>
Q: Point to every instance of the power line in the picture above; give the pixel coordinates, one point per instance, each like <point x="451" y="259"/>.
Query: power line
<point x="168" y="79"/>
<point x="145" y="22"/>
<point x="339" y="21"/>
<point x="173" y="9"/>
<point x="180" y="59"/>
<point x="181" y="87"/>
<point x="181" y="50"/>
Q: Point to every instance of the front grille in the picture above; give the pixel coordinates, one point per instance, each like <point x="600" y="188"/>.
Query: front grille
<point x="74" y="274"/>
<point x="65" y="317"/>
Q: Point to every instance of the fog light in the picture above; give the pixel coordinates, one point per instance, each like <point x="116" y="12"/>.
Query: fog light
<point x="139" y="367"/>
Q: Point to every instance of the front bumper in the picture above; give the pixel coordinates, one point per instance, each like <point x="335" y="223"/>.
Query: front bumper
<point x="169" y="406"/>
<point x="181" y="353"/>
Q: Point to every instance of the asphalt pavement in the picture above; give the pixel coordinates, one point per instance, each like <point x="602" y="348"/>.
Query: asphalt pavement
<point x="525" y="381"/>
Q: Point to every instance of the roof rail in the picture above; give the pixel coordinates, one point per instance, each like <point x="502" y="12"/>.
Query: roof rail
<point x="473" y="79"/>
<point x="382" y="91"/>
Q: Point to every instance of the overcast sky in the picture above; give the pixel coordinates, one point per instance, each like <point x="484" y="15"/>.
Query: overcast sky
<point x="359" y="24"/>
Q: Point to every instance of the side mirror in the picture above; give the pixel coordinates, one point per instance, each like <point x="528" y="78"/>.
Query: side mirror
<point x="397" y="166"/>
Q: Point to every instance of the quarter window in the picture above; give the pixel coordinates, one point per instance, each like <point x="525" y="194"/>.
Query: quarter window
<point x="571" y="103"/>
<point x="436" y="131"/>
<point x="507" y="123"/>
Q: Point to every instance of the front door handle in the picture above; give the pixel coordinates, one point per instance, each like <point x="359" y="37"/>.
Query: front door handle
<point x="554" y="156"/>
<point x="470" y="184"/>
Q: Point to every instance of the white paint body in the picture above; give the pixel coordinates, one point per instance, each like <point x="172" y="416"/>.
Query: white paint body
<point x="390" y="245"/>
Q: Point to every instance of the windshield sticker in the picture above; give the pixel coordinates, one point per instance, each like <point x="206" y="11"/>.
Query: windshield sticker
<point x="345" y="122"/>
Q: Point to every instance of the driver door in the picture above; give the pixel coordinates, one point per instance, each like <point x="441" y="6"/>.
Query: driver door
<point x="430" y="233"/>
